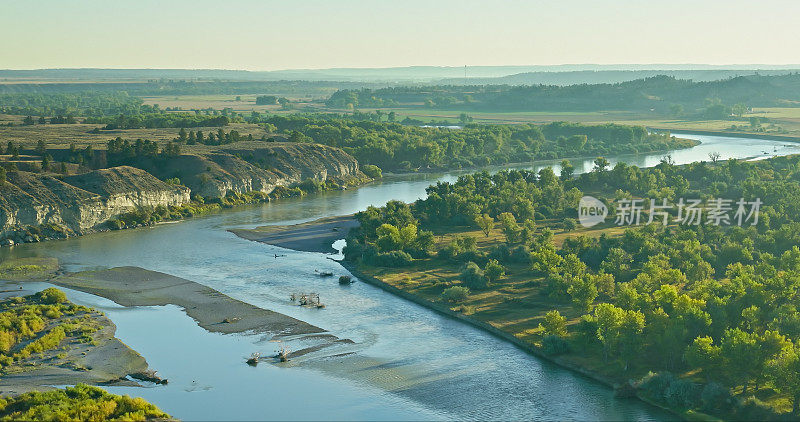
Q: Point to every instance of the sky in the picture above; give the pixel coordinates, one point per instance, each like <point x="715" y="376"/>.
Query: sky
<point x="313" y="34"/>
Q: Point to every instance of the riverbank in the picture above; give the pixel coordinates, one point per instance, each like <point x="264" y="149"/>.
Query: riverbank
<point x="277" y="232"/>
<point x="787" y="138"/>
<point x="313" y="236"/>
<point x="75" y="345"/>
<point x="212" y="310"/>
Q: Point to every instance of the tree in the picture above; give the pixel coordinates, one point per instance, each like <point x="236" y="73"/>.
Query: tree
<point x="182" y="135"/>
<point x="473" y="276"/>
<point x="28" y="121"/>
<point x="583" y="291"/>
<point x="785" y="374"/>
<point x="485" y="222"/>
<point x="509" y="227"/>
<point x="2" y="176"/>
<point x="392" y="117"/>
<point x="494" y="270"/>
<point x="739" y="109"/>
<point x="676" y="110"/>
<point x="40" y="147"/>
<point x="455" y="294"/>
<point x="554" y="324"/>
<point x="601" y="164"/>
<point x="567" y="170"/>
<point x="46" y="162"/>
<point x="703" y="354"/>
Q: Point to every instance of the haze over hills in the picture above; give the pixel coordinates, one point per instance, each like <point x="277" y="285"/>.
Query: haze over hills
<point x="512" y="75"/>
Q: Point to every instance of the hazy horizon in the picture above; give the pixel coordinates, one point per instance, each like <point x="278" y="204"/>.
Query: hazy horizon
<point x="318" y="35"/>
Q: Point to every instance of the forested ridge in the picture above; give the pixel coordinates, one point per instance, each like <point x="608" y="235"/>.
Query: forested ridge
<point x="397" y="147"/>
<point x="701" y="317"/>
<point x="657" y="92"/>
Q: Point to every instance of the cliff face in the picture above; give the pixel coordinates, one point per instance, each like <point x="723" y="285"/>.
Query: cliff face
<point x="258" y="166"/>
<point x="80" y="203"/>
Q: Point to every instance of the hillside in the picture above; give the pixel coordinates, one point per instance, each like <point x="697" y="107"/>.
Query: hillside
<point x="43" y="206"/>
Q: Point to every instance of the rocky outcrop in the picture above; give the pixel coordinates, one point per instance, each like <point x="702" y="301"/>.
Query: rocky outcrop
<point x="80" y="203"/>
<point x="73" y="205"/>
<point x="258" y="166"/>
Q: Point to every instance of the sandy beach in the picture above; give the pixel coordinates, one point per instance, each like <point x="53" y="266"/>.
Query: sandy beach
<point x="214" y="311"/>
<point x="313" y="236"/>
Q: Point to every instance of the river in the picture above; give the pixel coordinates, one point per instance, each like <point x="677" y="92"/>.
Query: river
<point x="425" y="366"/>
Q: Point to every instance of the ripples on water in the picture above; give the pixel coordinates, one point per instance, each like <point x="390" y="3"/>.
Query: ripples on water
<point x="410" y="363"/>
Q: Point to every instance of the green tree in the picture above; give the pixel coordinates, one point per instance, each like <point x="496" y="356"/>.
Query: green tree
<point x="494" y="270"/>
<point x="739" y="109"/>
<point x="473" y="276"/>
<point x="46" y="159"/>
<point x="182" y="135"/>
<point x="455" y="294"/>
<point x="509" y="227"/>
<point x="601" y="164"/>
<point x="567" y="170"/>
<point x="485" y="222"/>
<point x="554" y="324"/>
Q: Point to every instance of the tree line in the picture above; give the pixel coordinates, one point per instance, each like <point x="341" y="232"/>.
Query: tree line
<point x="703" y="316"/>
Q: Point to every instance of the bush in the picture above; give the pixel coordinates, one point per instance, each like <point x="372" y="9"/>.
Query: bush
<point x="656" y="384"/>
<point x="472" y="276"/>
<point x="391" y="259"/>
<point x="372" y="171"/>
<point x="554" y="345"/>
<point x="682" y="394"/>
<point x="455" y="294"/>
<point x="81" y="402"/>
<point x="51" y="296"/>
<point x="715" y="397"/>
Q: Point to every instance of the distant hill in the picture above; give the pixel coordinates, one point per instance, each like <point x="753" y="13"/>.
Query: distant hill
<point x="611" y="76"/>
<point x="514" y="75"/>
<point x="657" y="93"/>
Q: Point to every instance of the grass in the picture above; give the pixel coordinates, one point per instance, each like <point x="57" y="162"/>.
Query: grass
<point x="39" y="323"/>
<point x="516" y="304"/>
<point x="26" y="268"/>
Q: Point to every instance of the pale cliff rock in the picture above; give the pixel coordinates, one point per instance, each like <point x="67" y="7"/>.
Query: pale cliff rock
<point x="80" y="203"/>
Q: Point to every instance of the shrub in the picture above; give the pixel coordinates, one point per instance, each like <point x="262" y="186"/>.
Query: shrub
<point x="683" y="394"/>
<point x="455" y="294"/>
<point x="472" y="276"/>
<point x="51" y="296"/>
<point x="391" y="259"/>
<point x="554" y="345"/>
<point x="372" y="171"/>
<point x="81" y="402"/>
<point x="714" y="397"/>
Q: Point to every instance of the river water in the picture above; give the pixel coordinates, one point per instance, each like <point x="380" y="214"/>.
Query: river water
<point x="412" y="363"/>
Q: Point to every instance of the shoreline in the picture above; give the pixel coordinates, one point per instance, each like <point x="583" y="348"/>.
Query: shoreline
<point x="485" y="327"/>
<point x="312" y="236"/>
<point x="212" y="310"/>
<point x="765" y="136"/>
<point x="103" y="361"/>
